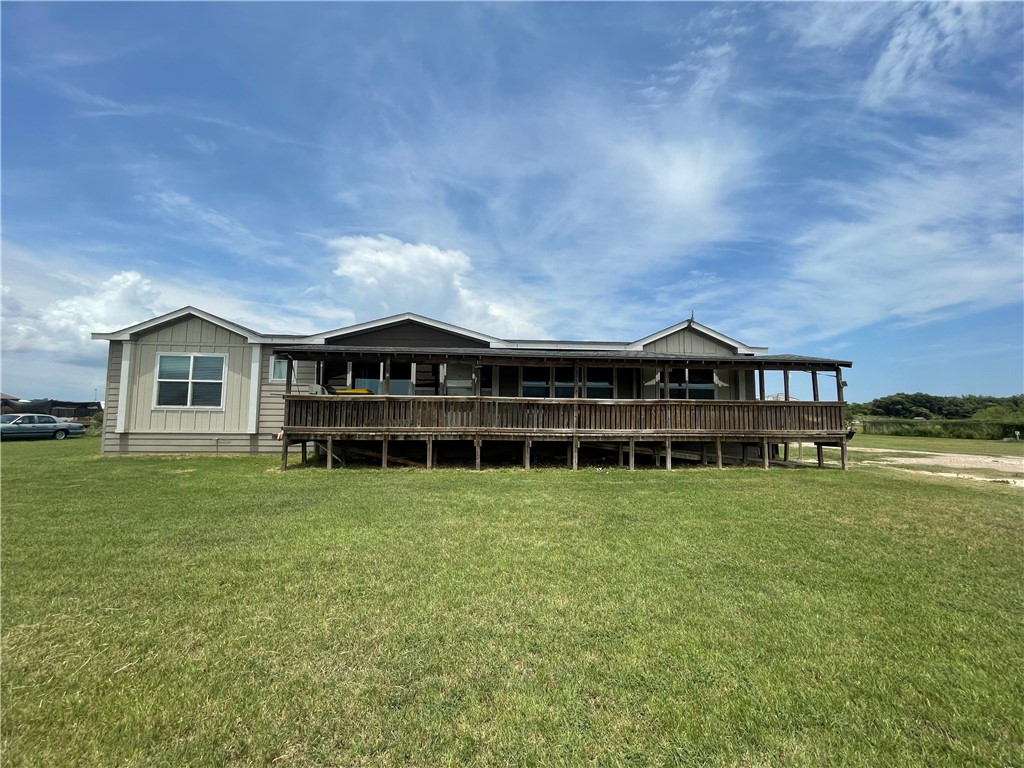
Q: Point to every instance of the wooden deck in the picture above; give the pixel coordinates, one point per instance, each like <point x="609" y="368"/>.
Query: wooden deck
<point x="368" y="417"/>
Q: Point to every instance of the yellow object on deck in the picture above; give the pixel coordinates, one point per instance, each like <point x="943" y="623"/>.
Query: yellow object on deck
<point x="353" y="392"/>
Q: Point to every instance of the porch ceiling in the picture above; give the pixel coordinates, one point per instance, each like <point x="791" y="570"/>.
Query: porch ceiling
<point x="607" y="358"/>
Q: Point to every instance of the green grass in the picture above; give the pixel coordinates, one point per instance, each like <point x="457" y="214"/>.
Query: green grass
<point x="940" y="445"/>
<point x="183" y="611"/>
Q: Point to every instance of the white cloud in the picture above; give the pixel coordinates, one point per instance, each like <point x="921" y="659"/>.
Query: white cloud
<point x="63" y="327"/>
<point x="388" y="276"/>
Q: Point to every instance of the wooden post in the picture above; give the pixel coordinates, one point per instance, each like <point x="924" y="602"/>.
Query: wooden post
<point x="668" y="453"/>
<point x="620" y="454"/>
<point x="289" y="368"/>
<point x="284" y="453"/>
<point x="821" y="456"/>
<point x="330" y="451"/>
<point x="704" y="454"/>
<point x="576" y="381"/>
<point x="664" y="376"/>
<point x="760" y="381"/>
<point x="526" y="453"/>
<point x="814" y="385"/>
<point x="387" y="377"/>
<point x="305" y="456"/>
<point x="384" y="453"/>
<point x="764" y="453"/>
<point x="478" y="445"/>
<point x="785" y="384"/>
<point x="575" y="453"/>
<point x="842" y="451"/>
<point x="839" y="384"/>
<point x="718" y="451"/>
<point x="430" y="452"/>
<point x="632" y="454"/>
<point x="785" y="452"/>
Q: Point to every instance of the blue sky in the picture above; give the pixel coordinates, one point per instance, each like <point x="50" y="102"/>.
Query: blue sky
<point x="841" y="180"/>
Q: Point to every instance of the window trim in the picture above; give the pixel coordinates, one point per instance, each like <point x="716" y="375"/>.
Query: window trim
<point x="190" y="381"/>
<point x="283" y="379"/>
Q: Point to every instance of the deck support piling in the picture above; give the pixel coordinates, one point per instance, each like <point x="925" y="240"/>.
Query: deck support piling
<point x="575" y="453"/>
<point x="785" y="451"/>
<point x="718" y="452"/>
<point x="330" y="451"/>
<point x="384" y="454"/>
<point x="821" y="456"/>
<point x="668" y="453"/>
<point x="764" y="453"/>
<point x="284" y="453"/>
<point x="478" y="445"/>
<point x="842" y="452"/>
<point x="305" y="453"/>
<point x="620" y="454"/>
<point x="632" y="454"/>
<point x="430" y="452"/>
<point x="526" y="453"/>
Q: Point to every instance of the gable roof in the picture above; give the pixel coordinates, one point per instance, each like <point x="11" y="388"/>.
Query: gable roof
<point x="385" y="322"/>
<point x="738" y="346"/>
<point x="126" y="334"/>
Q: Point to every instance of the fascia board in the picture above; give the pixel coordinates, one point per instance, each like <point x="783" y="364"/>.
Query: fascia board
<point x="126" y="334"/>
<point x="393" y="319"/>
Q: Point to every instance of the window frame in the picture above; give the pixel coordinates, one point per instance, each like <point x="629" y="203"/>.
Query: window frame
<point x="190" y="381"/>
<point x="283" y="380"/>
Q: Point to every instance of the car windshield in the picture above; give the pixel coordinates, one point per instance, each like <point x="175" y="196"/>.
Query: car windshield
<point x="7" y="418"/>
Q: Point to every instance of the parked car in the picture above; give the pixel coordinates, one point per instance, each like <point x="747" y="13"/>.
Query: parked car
<point x="14" y="426"/>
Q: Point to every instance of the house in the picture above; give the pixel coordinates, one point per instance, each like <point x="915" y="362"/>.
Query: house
<point x="189" y="381"/>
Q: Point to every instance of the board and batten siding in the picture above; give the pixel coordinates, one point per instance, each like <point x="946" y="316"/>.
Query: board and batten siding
<point x="689" y="342"/>
<point x="190" y="336"/>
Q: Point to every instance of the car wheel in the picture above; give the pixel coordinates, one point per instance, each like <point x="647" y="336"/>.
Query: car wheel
<point x="60" y="434"/>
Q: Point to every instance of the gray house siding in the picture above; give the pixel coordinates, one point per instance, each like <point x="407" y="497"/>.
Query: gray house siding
<point x="406" y="334"/>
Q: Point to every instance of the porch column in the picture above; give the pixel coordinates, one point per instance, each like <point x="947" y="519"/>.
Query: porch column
<point x="839" y="384"/>
<point x="289" y="371"/>
<point x="760" y="381"/>
<point x="785" y="384"/>
<point x="814" y="385"/>
<point x="664" y="378"/>
<point x="387" y="377"/>
<point x="576" y="379"/>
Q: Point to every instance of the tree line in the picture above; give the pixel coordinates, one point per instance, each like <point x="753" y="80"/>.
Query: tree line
<point x="925" y="406"/>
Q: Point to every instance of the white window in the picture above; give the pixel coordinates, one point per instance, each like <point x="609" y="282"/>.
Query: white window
<point x="279" y="370"/>
<point x="190" y="381"/>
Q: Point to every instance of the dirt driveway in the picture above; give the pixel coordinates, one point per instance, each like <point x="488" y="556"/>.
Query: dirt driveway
<point x="993" y="469"/>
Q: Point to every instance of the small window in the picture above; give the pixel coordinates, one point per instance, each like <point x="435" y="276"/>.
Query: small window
<point x="279" y="370"/>
<point x="190" y="381"/>
<point x="46" y="420"/>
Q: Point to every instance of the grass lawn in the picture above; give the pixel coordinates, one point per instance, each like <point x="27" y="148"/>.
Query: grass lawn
<point x="183" y="611"/>
<point x="940" y="445"/>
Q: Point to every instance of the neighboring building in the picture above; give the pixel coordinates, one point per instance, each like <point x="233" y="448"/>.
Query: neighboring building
<point x="189" y="381"/>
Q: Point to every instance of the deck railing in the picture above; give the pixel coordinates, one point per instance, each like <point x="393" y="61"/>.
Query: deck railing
<point x="550" y="417"/>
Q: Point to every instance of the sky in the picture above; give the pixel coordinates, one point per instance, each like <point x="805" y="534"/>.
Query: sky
<point x="836" y="180"/>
